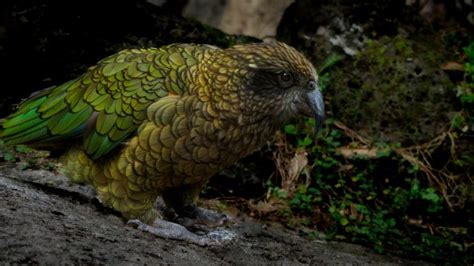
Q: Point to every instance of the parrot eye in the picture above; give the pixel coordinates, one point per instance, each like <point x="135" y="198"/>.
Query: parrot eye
<point x="285" y="78"/>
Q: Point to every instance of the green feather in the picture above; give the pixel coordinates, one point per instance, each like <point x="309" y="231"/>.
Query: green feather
<point x="97" y="145"/>
<point x="105" y="146"/>
<point x="52" y="106"/>
<point x="20" y="118"/>
<point x="125" y="122"/>
<point x="81" y="105"/>
<point x="19" y="128"/>
<point x="92" y="143"/>
<point x="91" y="92"/>
<point x="74" y="97"/>
<point x="176" y="59"/>
<point x="110" y="105"/>
<point x="69" y="122"/>
<point x="112" y="68"/>
<point x="118" y="135"/>
<point x="133" y="71"/>
<point x="36" y="132"/>
<point x="105" y="122"/>
<point x="32" y="103"/>
<point x="98" y="103"/>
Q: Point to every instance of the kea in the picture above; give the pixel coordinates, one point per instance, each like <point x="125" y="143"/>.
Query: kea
<point x="153" y="122"/>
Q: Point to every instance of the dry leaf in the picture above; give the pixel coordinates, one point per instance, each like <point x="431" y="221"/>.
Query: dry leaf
<point x="452" y="66"/>
<point x="350" y="152"/>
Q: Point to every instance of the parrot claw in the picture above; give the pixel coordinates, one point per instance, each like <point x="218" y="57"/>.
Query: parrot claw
<point x="169" y="230"/>
<point x="193" y="217"/>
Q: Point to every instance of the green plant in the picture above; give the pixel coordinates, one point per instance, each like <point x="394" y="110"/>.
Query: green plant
<point x="379" y="199"/>
<point x="25" y="157"/>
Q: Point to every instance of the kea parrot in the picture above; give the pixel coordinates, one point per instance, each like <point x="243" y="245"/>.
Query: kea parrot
<point x="153" y="122"/>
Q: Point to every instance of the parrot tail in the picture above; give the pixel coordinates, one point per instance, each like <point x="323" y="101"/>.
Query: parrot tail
<point x="44" y="117"/>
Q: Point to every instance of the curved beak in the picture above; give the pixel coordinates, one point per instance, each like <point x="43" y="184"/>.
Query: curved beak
<point x="315" y="102"/>
<point x="311" y="104"/>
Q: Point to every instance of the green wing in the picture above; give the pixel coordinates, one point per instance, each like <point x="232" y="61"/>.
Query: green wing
<point x="105" y="105"/>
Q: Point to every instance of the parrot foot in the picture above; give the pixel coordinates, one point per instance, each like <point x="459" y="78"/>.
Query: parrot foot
<point x="193" y="217"/>
<point x="169" y="230"/>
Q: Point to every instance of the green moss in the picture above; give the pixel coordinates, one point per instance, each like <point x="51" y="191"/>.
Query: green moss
<point x="395" y="91"/>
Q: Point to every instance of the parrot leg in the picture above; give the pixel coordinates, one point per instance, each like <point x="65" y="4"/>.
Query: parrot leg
<point x="169" y="230"/>
<point x="151" y="221"/>
<point x="182" y="200"/>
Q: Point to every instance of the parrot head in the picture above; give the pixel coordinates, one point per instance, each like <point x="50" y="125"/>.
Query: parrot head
<point x="269" y="81"/>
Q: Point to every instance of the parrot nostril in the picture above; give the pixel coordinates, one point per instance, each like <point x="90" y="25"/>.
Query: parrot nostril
<point x="312" y="85"/>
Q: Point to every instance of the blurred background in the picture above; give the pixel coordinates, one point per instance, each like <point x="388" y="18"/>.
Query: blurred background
<point x="392" y="167"/>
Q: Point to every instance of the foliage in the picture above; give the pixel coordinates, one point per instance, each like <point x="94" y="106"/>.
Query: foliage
<point x="383" y="201"/>
<point x="26" y="157"/>
<point x="466" y="94"/>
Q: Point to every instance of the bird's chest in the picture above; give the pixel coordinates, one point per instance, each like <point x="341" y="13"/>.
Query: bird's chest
<point x="210" y="146"/>
<point x="194" y="145"/>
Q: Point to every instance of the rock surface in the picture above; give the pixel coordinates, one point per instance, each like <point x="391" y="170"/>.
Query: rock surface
<point x="257" y="18"/>
<point x="47" y="220"/>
